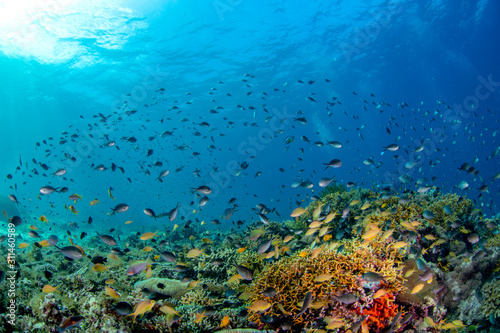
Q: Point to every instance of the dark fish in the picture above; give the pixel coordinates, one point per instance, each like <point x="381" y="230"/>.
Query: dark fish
<point x="47" y="190"/>
<point x="71" y="252"/>
<point x="167" y="256"/>
<point x="33" y="234"/>
<point x="164" y="173"/>
<point x="149" y="212"/>
<point x="335" y="163"/>
<point x="120" y="208"/>
<point x="70" y="323"/>
<point x="348" y="298"/>
<point x="108" y="240"/>
<point x="173" y="213"/>
<point x="202" y="190"/>
<point x="16" y="221"/>
<point x="269" y="292"/>
<point x="305" y="304"/>
<point x="264" y="246"/>
<point x="52" y="240"/>
<point x="13" y="198"/>
<point x="372" y="277"/>
<point x="245" y="273"/>
<point x="123" y="308"/>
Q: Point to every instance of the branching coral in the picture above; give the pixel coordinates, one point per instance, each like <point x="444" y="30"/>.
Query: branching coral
<point x="344" y="272"/>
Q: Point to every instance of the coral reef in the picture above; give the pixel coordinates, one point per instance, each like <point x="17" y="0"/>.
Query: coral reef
<point x="163" y="286"/>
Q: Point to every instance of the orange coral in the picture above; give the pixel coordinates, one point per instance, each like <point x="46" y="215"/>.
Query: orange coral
<point x="381" y="312"/>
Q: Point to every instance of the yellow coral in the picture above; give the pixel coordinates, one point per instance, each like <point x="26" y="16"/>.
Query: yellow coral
<point x="345" y="268"/>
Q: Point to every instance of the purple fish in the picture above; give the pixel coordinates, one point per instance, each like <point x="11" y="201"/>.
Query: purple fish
<point x="138" y="266"/>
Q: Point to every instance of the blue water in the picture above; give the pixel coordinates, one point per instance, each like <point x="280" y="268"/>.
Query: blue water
<point x="64" y="62"/>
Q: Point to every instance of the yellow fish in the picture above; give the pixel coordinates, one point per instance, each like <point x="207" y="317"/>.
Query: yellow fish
<point x="33" y="227"/>
<point x="241" y="250"/>
<point x="99" y="268"/>
<point x="44" y="243"/>
<point x="323" y="277"/>
<point x="43" y="219"/>
<point x="49" y="289"/>
<point x="315" y="224"/>
<point x="199" y="317"/>
<point x="316" y="252"/>
<point x="354" y="202"/>
<point x="206" y="240"/>
<point x="109" y="193"/>
<point x="235" y="277"/>
<point x="128" y="222"/>
<point x="110" y="281"/>
<point x="149" y="235"/>
<point x="94" y="202"/>
<point x="224" y="322"/>
<point x="326" y="238"/>
<point x="288" y="238"/>
<point x="330" y="217"/>
<point x="193" y="253"/>
<point x="400" y="244"/>
<point x="417" y="288"/>
<point x="379" y="293"/>
<point x="259" y="306"/>
<point x="303" y="254"/>
<point x="297" y="212"/>
<point x="111" y="292"/>
<point x="23" y="245"/>
<point x="366" y="205"/>
<point x="310" y="232"/>
<point x="147" y="249"/>
<point x="169" y="310"/>
<point x="73" y="210"/>
<point x="142" y="307"/>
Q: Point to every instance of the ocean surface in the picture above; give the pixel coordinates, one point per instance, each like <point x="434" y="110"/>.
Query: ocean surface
<point x="233" y="111"/>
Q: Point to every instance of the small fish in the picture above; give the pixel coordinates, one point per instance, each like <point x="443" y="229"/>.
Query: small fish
<point x="45" y="190"/>
<point x="417" y="288"/>
<point x="149" y="235"/>
<point x="259" y="306"/>
<point x="372" y="277"/>
<point x="111" y="292"/>
<point x="71" y="252"/>
<point x="142" y="307"/>
<point x="138" y="266"/>
<point x="173" y="213"/>
<point x="49" y="289"/>
<point x="120" y="208"/>
<point x="245" y="272"/>
<point x="13" y="198"/>
<point x="305" y="304"/>
<point x="348" y="298"/>
<point x="323" y="277"/>
<point x="69" y="323"/>
<point x="150" y="212"/>
<point x="202" y="190"/>
<point x="106" y="239"/>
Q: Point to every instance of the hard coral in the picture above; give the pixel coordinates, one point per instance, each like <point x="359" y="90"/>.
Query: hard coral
<point x="345" y="270"/>
<point x="380" y="313"/>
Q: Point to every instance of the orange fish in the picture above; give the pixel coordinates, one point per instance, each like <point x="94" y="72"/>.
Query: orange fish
<point x="94" y="202"/>
<point x="43" y="218"/>
<point x="49" y="289"/>
<point x="73" y="210"/>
